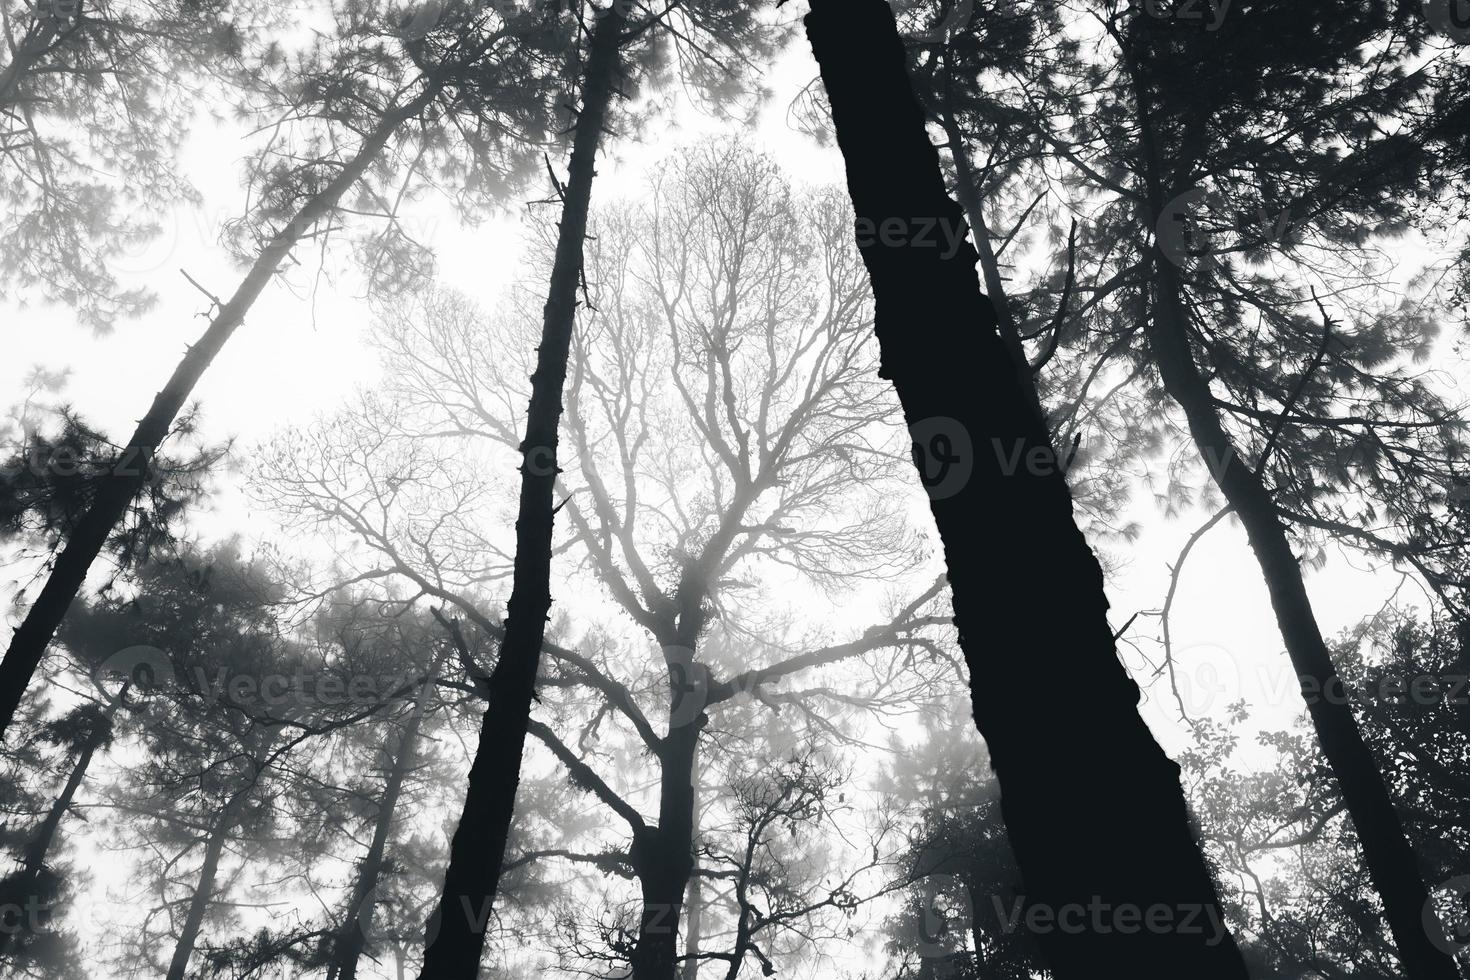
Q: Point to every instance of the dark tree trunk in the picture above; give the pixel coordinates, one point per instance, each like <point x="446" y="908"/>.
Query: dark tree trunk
<point x="352" y="938"/>
<point x="694" y="927"/>
<point x="118" y="489"/>
<point x="1093" y="807"/>
<point x="663" y="858"/>
<point x="456" y="934"/>
<point x="1386" y="851"/>
<point x="21" y="887"/>
<point x="1389" y="858"/>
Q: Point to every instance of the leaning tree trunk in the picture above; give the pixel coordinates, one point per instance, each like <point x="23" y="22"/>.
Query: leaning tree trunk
<point x="1092" y="805"/>
<point x="1386" y="851"/>
<point x="477" y="853"/>
<point x="352" y="937"/>
<point x="117" y="490"/>
<point x="203" y="895"/>
<point x="21" y="887"/>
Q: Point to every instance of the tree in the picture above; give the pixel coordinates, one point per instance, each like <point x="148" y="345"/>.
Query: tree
<point x="478" y="850"/>
<point x="726" y="323"/>
<point x="353" y="98"/>
<point x="1215" y="158"/>
<point x="68" y="215"/>
<point x="958" y="873"/>
<point x="962" y="380"/>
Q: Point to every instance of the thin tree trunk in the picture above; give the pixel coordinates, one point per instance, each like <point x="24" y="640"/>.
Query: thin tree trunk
<point x="1389" y="858"/>
<point x="1386" y="852"/>
<point x="203" y="895"/>
<point x="352" y="937"/>
<point x="967" y="189"/>
<point x="664" y="858"/>
<point x="117" y="490"/>
<point x="1391" y="863"/>
<point x="1093" y="807"/>
<point x="22" y="886"/>
<point x="478" y="850"/>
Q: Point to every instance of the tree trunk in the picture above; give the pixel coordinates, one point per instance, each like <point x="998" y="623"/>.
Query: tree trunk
<point x="1093" y="807"/>
<point x="695" y="904"/>
<point x="1386" y="851"/>
<point x="478" y="850"/>
<point x="132" y="472"/>
<point x="203" y="895"/>
<point x="352" y="937"/>
<point x="22" y="886"/>
<point x="663" y="858"/>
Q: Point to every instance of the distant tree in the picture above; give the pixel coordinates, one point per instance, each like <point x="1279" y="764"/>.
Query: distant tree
<point x="626" y="44"/>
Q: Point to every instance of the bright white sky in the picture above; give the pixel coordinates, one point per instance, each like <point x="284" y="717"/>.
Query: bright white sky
<point x="300" y="354"/>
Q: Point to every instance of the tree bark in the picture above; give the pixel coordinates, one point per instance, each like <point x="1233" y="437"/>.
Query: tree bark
<point x="1092" y="805"/>
<point x="117" y="490"/>
<point x="352" y="937"/>
<point x="478" y="849"/>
